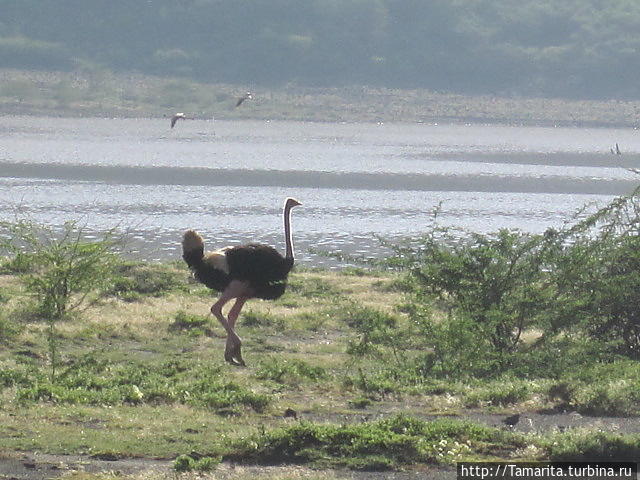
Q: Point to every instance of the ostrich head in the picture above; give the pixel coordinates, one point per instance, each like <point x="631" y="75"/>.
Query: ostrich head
<point x="291" y="202"/>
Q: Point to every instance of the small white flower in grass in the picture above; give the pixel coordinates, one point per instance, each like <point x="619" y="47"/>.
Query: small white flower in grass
<point x="136" y="393"/>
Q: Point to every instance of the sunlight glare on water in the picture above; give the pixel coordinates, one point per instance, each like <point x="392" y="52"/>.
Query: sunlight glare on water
<point x="228" y="179"/>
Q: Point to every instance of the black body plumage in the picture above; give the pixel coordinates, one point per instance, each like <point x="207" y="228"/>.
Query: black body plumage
<point x="261" y="266"/>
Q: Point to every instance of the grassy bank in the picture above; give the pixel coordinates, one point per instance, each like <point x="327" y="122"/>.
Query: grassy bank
<point x="141" y="375"/>
<point x="104" y="93"/>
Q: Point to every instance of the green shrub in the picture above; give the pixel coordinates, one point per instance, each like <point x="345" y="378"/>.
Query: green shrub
<point x="60" y="268"/>
<point x="186" y="463"/>
<point x="458" y="349"/>
<point x="389" y="443"/>
<point x="492" y="280"/>
<point x="596" y="279"/>
<point x="608" y="398"/>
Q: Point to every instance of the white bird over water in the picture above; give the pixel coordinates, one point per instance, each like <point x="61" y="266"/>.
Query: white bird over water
<point x="246" y="96"/>
<point x="177" y="117"/>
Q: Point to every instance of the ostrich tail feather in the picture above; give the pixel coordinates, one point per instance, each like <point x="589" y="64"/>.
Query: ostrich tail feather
<point x="210" y="269"/>
<point x="192" y="248"/>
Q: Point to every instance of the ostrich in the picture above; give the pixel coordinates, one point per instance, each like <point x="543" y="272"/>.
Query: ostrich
<point x="246" y="96"/>
<point x="243" y="272"/>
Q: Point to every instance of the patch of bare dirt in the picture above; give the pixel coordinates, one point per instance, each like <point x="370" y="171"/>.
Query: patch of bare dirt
<point x="36" y="466"/>
<point x="41" y="466"/>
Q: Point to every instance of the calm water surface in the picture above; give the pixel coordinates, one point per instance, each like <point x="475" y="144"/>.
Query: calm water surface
<point x="228" y="179"/>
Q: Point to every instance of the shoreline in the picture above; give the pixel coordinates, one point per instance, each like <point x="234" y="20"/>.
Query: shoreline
<point x="106" y="94"/>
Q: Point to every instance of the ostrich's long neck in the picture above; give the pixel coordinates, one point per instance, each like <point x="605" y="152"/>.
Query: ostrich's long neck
<point x="287" y="233"/>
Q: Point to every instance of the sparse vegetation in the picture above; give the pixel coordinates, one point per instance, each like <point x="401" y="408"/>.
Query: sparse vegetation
<point x="497" y="324"/>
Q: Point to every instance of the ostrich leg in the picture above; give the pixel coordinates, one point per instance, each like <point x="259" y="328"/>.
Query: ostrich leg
<point x="234" y="351"/>
<point x="236" y="289"/>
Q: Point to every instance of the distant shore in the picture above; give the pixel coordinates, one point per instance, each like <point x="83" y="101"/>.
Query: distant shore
<point x="107" y="94"/>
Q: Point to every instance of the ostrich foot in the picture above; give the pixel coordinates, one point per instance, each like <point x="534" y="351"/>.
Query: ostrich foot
<point x="233" y="355"/>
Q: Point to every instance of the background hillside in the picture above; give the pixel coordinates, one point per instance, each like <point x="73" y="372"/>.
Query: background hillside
<point x="585" y="49"/>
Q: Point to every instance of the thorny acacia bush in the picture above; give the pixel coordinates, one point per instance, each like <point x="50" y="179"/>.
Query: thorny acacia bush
<point x="576" y="290"/>
<point x="61" y="269"/>
<point x="597" y="278"/>
<point x="490" y="287"/>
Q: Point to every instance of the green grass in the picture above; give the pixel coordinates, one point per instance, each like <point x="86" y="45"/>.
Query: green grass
<point x="92" y="380"/>
<point x="500" y="393"/>
<point x="289" y="371"/>
<point x="8" y="330"/>
<point x="312" y="286"/>
<point x="135" y="281"/>
<point x="191" y="324"/>
<point x="585" y="445"/>
<point x="610" y="389"/>
<point x="262" y="320"/>
<point x="120" y="431"/>
<point x="147" y="378"/>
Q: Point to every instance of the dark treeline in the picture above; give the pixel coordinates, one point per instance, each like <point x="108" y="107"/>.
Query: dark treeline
<point x="567" y="48"/>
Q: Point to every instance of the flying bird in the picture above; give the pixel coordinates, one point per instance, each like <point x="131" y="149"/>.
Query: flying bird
<point x="177" y="117"/>
<point x="243" y="272"/>
<point x="246" y="96"/>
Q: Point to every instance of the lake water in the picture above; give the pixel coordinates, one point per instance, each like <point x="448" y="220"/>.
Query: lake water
<point x="228" y="179"/>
